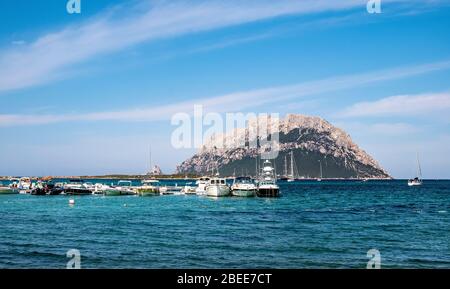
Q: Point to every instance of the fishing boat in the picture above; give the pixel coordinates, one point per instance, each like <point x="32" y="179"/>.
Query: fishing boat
<point x="149" y="188"/>
<point x="76" y="187"/>
<point x="201" y="185"/>
<point x="417" y="181"/>
<point x="267" y="186"/>
<point x="243" y="187"/>
<point x="217" y="187"/>
<point x="123" y="188"/>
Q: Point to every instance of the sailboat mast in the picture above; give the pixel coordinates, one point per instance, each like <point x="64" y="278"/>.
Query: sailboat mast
<point x="256" y="163"/>
<point x="320" y="163"/>
<point x="150" y="158"/>
<point x="285" y="165"/>
<point x="419" y="169"/>
<point x="292" y="164"/>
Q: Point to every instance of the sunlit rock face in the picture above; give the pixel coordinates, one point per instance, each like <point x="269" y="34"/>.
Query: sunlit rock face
<point x="312" y="140"/>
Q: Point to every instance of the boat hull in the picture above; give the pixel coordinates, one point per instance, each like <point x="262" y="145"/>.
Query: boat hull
<point x="73" y="191"/>
<point x="243" y="192"/>
<point x="268" y="192"/>
<point x="110" y="192"/>
<point x="200" y="192"/>
<point x="414" y="184"/>
<point x="38" y="192"/>
<point x="8" y="191"/>
<point x="217" y="191"/>
<point x="54" y="192"/>
<point x="115" y="192"/>
<point x="148" y="192"/>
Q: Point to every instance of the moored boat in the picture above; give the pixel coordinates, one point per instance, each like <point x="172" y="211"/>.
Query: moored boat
<point x="149" y="188"/>
<point x="243" y="187"/>
<point x="24" y="185"/>
<point x="40" y="189"/>
<point x="123" y="188"/>
<point x="99" y="189"/>
<point x="7" y="190"/>
<point x="320" y="178"/>
<point x="217" y="187"/>
<point x="189" y="190"/>
<point x="76" y="187"/>
<point x="267" y="186"/>
<point x="294" y="170"/>
<point x="201" y="185"/>
<point x="414" y="182"/>
<point x="417" y="181"/>
<point x="55" y="189"/>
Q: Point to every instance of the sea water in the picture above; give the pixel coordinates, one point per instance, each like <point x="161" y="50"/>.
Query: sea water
<point x="328" y="224"/>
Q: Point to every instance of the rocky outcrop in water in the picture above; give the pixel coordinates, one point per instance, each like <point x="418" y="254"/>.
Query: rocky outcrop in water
<point x="311" y="139"/>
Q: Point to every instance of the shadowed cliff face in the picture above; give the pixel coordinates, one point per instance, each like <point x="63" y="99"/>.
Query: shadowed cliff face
<point x="311" y="139"/>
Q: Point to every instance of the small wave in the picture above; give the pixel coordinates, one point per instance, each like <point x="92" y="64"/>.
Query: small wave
<point x="442" y="212"/>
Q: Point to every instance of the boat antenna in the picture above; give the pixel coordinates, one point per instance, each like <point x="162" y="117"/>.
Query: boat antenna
<point x="150" y="158"/>
<point x="419" y="169"/>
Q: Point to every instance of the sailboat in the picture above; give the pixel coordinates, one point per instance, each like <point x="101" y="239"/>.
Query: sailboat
<point x="292" y="175"/>
<point x="417" y="181"/>
<point x="320" y="178"/>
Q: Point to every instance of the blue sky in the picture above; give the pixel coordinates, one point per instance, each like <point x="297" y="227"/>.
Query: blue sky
<point x="89" y="93"/>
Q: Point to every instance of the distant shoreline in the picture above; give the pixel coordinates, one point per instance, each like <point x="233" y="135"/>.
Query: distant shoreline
<point x="179" y="177"/>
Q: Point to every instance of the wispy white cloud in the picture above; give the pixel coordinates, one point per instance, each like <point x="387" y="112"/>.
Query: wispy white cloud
<point x="44" y="59"/>
<point x="400" y="105"/>
<point x="256" y="98"/>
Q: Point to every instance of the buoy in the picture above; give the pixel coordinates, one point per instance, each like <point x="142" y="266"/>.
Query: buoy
<point x="71" y="202"/>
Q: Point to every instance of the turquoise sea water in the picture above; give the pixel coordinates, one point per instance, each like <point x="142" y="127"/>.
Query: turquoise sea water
<point x="313" y="225"/>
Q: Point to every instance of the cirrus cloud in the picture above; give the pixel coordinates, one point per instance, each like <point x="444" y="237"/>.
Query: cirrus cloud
<point x="46" y="58"/>
<point x="400" y="105"/>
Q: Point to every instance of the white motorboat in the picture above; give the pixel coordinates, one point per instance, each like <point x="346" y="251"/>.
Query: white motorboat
<point x="77" y="187"/>
<point x="172" y="190"/>
<point x="243" y="187"/>
<point x="122" y="188"/>
<point x="217" y="187"/>
<point x="99" y="189"/>
<point x="25" y="185"/>
<point x="201" y="185"/>
<point x="189" y="190"/>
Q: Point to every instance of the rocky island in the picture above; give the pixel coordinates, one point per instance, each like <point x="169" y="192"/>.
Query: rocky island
<point x="312" y="141"/>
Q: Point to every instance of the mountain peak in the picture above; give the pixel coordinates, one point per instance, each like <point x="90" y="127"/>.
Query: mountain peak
<point x="310" y="138"/>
